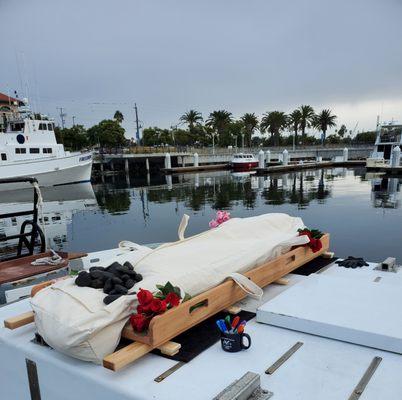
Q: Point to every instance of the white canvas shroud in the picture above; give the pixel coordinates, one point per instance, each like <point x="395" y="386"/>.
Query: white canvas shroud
<point x="75" y="321"/>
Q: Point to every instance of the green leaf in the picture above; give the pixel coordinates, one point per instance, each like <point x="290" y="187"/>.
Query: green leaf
<point x="160" y="287"/>
<point x="177" y="290"/>
<point x="168" y="288"/>
<point x="186" y="297"/>
<point x="159" y="295"/>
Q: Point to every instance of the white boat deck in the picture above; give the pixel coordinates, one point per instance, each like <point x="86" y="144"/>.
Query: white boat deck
<point x="321" y="369"/>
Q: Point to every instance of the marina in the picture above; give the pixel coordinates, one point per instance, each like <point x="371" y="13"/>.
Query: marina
<point x="200" y="201"/>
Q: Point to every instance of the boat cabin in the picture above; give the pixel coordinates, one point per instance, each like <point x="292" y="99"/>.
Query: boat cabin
<point x="27" y="138"/>
<point x="388" y="136"/>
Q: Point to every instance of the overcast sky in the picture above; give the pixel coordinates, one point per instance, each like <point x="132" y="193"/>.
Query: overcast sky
<point x="95" y="56"/>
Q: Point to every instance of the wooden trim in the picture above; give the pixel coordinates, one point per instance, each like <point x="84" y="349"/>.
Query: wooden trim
<point x="177" y="320"/>
<point x="162" y="329"/>
<point x="19" y="320"/>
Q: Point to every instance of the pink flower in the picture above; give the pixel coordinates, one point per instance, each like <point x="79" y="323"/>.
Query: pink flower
<point x="213" y="224"/>
<point x="221" y="217"/>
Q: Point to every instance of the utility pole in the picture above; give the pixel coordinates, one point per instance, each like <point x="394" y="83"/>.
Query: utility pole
<point x="73" y="120"/>
<point x="62" y="116"/>
<point x="138" y="126"/>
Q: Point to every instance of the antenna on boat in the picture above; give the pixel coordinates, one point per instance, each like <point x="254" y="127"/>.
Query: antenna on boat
<point x="62" y="117"/>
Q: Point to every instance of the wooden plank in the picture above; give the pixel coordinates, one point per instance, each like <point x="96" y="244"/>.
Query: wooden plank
<point x="282" y="281"/>
<point x="161" y="328"/>
<point x="19" y="320"/>
<point x="121" y="358"/>
<point x="170" y="348"/>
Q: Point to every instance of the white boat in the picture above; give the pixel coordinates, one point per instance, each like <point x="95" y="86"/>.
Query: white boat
<point x="389" y="136"/>
<point x="243" y="162"/>
<point x="289" y="362"/>
<point x="28" y="147"/>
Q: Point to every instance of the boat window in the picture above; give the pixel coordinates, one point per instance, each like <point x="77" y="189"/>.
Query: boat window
<point x="47" y="150"/>
<point x="42" y="127"/>
<point x="390" y="134"/>
<point x="16" y="127"/>
<point x="34" y="150"/>
<point x="50" y="127"/>
<point x="20" y="150"/>
<point x="3" y="157"/>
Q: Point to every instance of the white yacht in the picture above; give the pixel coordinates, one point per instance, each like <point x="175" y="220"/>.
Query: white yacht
<point x="389" y="135"/>
<point x="28" y="147"/>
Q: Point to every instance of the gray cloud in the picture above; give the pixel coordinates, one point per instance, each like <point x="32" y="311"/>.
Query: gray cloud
<point x="93" y="57"/>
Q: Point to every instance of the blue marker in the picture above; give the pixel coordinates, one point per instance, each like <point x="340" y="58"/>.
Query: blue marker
<point x="221" y="327"/>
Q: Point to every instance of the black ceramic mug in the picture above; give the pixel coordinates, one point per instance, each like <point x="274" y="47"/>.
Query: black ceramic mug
<point x="233" y="342"/>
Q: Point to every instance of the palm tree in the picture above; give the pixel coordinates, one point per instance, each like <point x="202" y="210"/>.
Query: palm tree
<point x="274" y="122"/>
<point x="191" y="118"/>
<point x="323" y="121"/>
<point x="118" y="116"/>
<point x="307" y="116"/>
<point x="219" y="120"/>
<point x="250" y="121"/>
<point x="294" y="123"/>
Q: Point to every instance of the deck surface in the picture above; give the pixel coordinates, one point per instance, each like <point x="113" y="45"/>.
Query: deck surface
<point x="21" y="268"/>
<point x="321" y="369"/>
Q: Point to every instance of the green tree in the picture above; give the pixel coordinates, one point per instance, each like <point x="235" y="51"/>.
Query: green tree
<point x="307" y="117"/>
<point x="274" y="122"/>
<point x="191" y="118"/>
<point x="324" y="120"/>
<point x="342" y="131"/>
<point x="219" y="120"/>
<point x="294" y="122"/>
<point x="108" y="133"/>
<point x="365" y="137"/>
<point x="118" y="116"/>
<point x="250" y="121"/>
<point x="74" y="138"/>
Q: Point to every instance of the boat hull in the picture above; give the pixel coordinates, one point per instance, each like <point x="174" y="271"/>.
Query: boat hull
<point x="49" y="172"/>
<point x="244" y="166"/>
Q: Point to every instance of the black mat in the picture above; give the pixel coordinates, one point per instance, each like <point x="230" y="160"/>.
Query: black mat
<point x="200" y="337"/>
<point x="314" y="266"/>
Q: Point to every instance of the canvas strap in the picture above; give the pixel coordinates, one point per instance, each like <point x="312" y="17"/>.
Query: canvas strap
<point x="252" y="289"/>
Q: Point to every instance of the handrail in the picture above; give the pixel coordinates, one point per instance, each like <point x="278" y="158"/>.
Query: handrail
<point x="35" y="231"/>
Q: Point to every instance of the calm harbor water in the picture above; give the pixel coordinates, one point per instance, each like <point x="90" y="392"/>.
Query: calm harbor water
<point x="361" y="212"/>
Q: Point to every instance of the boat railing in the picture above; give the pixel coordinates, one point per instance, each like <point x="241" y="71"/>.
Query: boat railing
<point x="24" y="238"/>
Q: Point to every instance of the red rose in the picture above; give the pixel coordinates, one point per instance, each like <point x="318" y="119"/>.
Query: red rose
<point x="139" y="322"/>
<point x="143" y="309"/>
<point x="173" y="299"/>
<point x="315" y="245"/>
<point x="144" y="297"/>
<point x="158" y="306"/>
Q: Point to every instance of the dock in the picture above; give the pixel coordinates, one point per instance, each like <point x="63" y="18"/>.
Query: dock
<point x="310" y="165"/>
<point x="387" y="170"/>
<point x="207" y="167"/>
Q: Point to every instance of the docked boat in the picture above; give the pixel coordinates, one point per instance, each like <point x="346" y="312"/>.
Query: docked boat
<point x="388" y="137"/>
<point x="28" y="147"/>
<point x="243" y="162"/>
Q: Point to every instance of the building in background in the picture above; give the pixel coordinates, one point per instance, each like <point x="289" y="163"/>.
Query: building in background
<point x="8" y="108"/>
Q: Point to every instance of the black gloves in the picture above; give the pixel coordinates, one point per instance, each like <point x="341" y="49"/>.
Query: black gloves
<point x="352" y="262"/>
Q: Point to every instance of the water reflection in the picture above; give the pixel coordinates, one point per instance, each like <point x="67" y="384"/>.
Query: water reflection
<point x="344" y="202"/>
<point x="59" y="205"/>
<point x="385" y="192"/>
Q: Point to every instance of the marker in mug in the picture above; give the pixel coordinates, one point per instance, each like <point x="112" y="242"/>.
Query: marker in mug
<point x="235" y="322"/>
<point x="227" y="322"/>
<point x="241" y="326"/>
<point x="221" y="325"/>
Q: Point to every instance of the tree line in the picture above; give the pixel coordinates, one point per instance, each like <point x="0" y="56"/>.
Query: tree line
<point x="274" y="128"/>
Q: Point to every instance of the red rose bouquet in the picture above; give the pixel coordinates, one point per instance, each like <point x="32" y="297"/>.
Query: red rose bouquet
<point x="314" y="236"/>
<point x="151" y="304"/>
